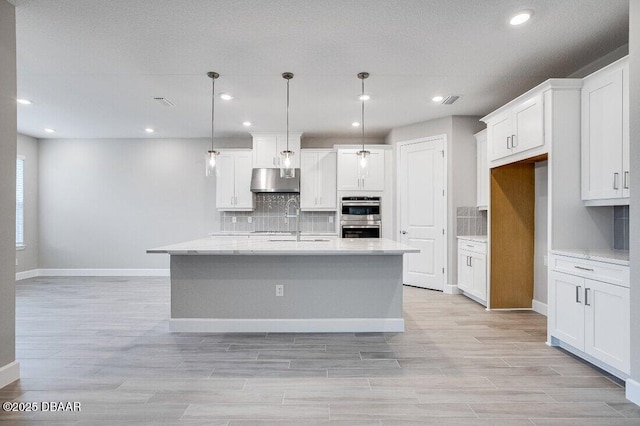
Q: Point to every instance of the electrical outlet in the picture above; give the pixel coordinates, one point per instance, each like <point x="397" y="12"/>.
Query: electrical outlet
<point x="250" y="219"/>
<point x="234" y="219"/>
<point x="279" y="290"/>
<point x="330" y="219"/>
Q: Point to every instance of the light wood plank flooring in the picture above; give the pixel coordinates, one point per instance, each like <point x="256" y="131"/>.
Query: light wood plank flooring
<point x="104" y="342"/>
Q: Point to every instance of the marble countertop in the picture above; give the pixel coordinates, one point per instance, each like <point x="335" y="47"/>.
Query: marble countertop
<point x="286" y="245"/>
<point x="267" y="233"/>
<point x="619" y="257"/>
<point x="476" y="238"/>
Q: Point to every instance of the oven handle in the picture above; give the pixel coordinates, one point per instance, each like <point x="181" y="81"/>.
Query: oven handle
<point x="360" y="203"/>
<point x="361" y="226"/>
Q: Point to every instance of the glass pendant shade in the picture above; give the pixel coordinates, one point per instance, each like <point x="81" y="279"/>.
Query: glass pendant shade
<point x="210" y="163"/>
<point x="287" y="170"/>
<point x="363" y="163"/>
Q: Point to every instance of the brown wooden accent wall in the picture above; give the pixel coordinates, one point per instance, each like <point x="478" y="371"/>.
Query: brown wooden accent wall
<point x="512" y="235"/>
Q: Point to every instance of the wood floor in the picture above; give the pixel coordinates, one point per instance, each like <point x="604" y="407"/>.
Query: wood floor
<point x="104" y="342"/>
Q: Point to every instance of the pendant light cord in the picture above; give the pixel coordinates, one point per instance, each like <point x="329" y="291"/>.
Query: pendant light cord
<point x="288" y="114"/>
<point x="362" y="97"/>
<point x="213" y="97"/>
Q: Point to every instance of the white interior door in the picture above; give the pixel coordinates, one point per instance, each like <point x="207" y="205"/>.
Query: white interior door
<point x="421" y="179"/>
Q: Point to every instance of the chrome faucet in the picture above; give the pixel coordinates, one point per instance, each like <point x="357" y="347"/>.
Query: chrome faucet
<point x="297" y="215"/>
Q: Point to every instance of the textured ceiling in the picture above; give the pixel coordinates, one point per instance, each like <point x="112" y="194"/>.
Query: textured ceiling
<point x="91" y="68"/>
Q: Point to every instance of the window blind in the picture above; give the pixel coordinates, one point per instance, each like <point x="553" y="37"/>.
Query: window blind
<point x="20" y="201"/>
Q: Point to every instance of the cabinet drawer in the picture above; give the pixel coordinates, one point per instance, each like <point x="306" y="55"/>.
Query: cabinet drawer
<point x="599" y="271"/>
<point x="473" y="246"/>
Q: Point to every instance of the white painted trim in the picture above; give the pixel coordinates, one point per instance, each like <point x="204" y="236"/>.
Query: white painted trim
<point x="451" y="289"/>
<point x="103" y="272"/>
<point x="539" y="307"/>
<point x="27" y="274"/>
<point x="445" y="184"/>
<point x="632" y="391"/>
<point x="312" y="325"/>
<point x="590" y="359"/>
<point x="9" y="373"/>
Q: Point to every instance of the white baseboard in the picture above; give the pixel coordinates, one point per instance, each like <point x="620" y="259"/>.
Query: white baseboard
<point x="27" y="274"/>
<point x="539" y="307"/>
<point x="9" y="373"/>
<point x="320" y="325"/>
<point x="451" y="289"/>
<point x="103" y="272"/>
<point x="633" y="391"/>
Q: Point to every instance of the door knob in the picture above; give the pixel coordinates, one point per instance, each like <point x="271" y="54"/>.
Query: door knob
<point x="403" y="232"/>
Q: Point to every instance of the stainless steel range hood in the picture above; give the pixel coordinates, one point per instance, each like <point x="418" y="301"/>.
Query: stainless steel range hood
<point x="269" y="180"/>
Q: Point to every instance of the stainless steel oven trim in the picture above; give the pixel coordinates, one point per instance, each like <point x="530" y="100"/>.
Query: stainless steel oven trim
<point x="360" y="203"/>
<point x="361" y="226"/>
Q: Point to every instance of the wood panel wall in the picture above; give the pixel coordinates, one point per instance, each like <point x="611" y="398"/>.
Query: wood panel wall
<point x="512" y="235"/>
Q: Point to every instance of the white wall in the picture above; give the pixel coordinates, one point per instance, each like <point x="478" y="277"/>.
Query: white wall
<point x="28" y="257"/>
<point x="104" y="202"/>
<point x="634" y="212"/>
<point x="8" y="135"/>
<point x="329" y="142"/>
<point x="540" y="237"/>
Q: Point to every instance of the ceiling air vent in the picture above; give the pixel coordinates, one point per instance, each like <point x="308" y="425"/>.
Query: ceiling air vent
<point x="164" y="101"/>
<point x="450" y="99"/>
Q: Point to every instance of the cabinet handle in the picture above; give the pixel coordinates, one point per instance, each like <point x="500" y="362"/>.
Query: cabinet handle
<point x="626" y="180"/>
<point x="468" y="260"/>
<point x="362" y="183"/>
<point x="508" y="142"/>
<point x="615" y="180"/>
<point x="578" y="294"/>
<point x="513" y="141"/>
<point x="586" y="296"/>
<point x="583" y="268"/>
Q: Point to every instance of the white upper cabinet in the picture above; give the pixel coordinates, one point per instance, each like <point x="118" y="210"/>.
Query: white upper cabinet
<point x="348" y="176"/>
<point x="233" y="181"/>
<point x="605" y="135"/>
<point x="517" y="129"/>
<point x="482" y="170"/>
<point x="268" y="146"/>
<point x="318" y="180"/>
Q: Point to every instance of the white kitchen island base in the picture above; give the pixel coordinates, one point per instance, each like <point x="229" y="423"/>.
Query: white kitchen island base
<point x="321" y="293"/>
<point x="331" y="285"/>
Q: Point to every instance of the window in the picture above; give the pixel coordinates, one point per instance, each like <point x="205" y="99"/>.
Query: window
<point x="20" y="202"/>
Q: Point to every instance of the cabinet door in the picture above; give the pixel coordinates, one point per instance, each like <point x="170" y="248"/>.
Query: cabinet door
<point x="499" y="133"/>
<point x="482" y="200"/>
<point x="348" y="170"/>
<point x="242" y="185"/>
<point x="465" y="273"/>
<point x="308" y="180"/>
<point x="607" y="330"/>
<point x="602" y="136"/>
<point x="374" y="181"/>
<point x="265" y="152"/>
<point x="566" y="318"/>
<point x="326" y="184"/>
<point x="479" y="271"/>
<point x="225" y="192"/>
<point x="528" y="124"/>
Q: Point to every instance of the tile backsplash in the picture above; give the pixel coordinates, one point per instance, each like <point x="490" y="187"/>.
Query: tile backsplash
<point x="268" y="215"/>
<point x="621" y="227"/>
<point x="471" y="221"/>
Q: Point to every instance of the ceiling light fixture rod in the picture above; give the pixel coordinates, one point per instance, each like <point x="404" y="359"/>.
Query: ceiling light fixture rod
<point x="363" y="154"/>
<point x="287" y="169"/>
<point x="213" y="76"/>
<point x="287" y="76"/>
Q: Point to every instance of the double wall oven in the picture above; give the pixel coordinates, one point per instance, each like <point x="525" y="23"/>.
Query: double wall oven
<point x="360" y="217"/>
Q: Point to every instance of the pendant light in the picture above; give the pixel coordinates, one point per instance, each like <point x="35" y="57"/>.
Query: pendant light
<point x="286" y="169"/>
<point x="212" y="154"/>
<point x="363" y="154"/>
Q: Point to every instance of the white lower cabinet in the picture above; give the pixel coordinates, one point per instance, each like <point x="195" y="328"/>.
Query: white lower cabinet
<point x="472" y="269"/>
<point x="590" y="315"/>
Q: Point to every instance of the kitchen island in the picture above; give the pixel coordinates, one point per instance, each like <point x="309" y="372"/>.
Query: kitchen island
<point x="283" y="285"/>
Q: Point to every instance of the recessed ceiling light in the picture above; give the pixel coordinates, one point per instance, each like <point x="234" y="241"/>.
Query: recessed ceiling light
<point x="437" y="98"/>
<point x="149" y="130"/>
<point x="521" y="17"/>
<point x="225" y="96"/>
<point x="364" y="97"/>
<point x="24" y="101"/>
<point x="48" y="130"/>
<point x="355" y="124"/>
<point x="246" y="123"/>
